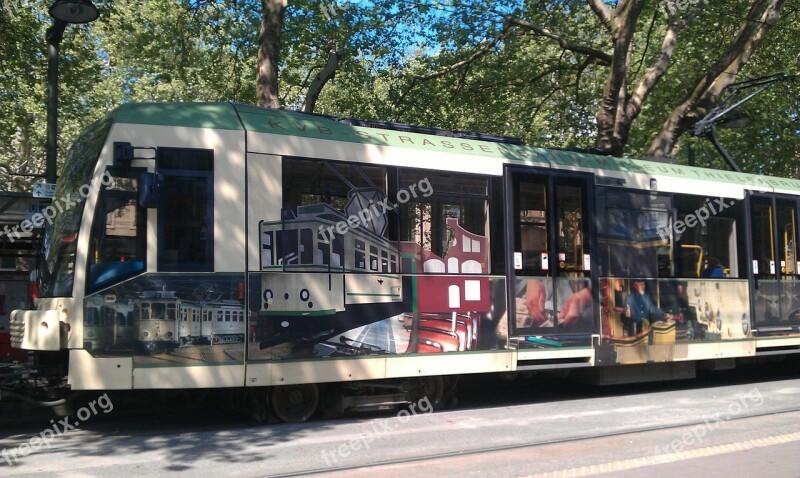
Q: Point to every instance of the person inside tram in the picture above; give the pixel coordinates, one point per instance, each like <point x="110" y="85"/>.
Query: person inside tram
<point x="640" y="307"/>
<point x="713" y="268"/>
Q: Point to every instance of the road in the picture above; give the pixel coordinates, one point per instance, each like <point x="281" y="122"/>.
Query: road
<point x="730" y="425"/>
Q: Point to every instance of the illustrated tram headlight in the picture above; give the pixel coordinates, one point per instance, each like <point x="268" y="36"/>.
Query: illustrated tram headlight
<point x="90" y="334"/>
<point x="267" y="295"/>
<point x="304" y="295"/>
<point x="145" y="334"/>
<point x="169" y="335"/>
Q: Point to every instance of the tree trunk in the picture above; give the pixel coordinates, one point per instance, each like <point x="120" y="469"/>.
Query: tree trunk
<point x="322" y="78"/>
<point x="269" y="49"/>
<point x="622" y="25"/>
<point x="708" y="88"/>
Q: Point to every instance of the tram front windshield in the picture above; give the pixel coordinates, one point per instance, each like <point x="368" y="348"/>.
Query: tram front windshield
<point x="60" y="240"/>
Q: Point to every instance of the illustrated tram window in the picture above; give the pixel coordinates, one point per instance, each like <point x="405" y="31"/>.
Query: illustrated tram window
<point x="117" y="241"/>
<point x="185" y="214"/>
<point x="360" y="255"/>
<point x="373" y="258"/>
<point x="266" y="249"/>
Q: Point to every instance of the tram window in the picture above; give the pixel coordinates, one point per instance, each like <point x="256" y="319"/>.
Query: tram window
<point x="337" y="252"/>
<point x="787" y="236"/>
<point x="633" y="233"/>
<point x="360" y="255"/>
<point x="533" y="225"/>
<point x="117" y="241"/>
<point x="384" y="261"/>
<point x="267" y="258"/>
<point x="571" y="244"/>
<point x="306" y="246"/>
<point x="705" y="237"/>
<point x="445" y="222"/>
<point x="394" y="264"/>
<point x="763" y="244"/>
<point x="373" y="258"/>
<point x="287" y="247"/>
<point x="186" y="208"/>
<point x="90" y="317"/>
<point x="323" y="253"/>
<point x="332" y="182"/>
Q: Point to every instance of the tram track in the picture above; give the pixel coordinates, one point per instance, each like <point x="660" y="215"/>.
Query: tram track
<point x="529" y="444"/>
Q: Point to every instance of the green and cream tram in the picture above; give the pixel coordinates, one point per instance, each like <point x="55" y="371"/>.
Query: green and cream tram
<point x="385" y="257"/>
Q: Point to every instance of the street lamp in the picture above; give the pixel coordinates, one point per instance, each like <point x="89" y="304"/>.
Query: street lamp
<point x="63" y="12"/>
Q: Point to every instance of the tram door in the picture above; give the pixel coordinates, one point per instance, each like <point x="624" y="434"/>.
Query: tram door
<point x="775" y="263"/>
<point x="550" y="255"/>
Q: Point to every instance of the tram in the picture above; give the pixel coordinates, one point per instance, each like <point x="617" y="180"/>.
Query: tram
<point x="374" y="261"/>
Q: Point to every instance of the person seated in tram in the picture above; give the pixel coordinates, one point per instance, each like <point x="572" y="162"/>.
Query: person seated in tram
<point x="713" y="268"/>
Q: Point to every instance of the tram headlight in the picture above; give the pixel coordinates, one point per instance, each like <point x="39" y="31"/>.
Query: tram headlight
<point x="304" y="295"/>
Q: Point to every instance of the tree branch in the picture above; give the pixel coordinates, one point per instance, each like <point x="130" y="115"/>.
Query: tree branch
<point x="322" y="78"/>
<point x="602" y="57"/>
<point x="660" y="64"/>
<point x="603" y="13"/>
<point x="709" y="87"/>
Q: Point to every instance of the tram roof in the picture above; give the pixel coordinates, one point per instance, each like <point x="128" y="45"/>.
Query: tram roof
<point x="232" y="116"/>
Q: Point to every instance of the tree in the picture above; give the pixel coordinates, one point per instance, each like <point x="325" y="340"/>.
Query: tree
<point x="611" y="57"/>
<point x="269" y="52"/>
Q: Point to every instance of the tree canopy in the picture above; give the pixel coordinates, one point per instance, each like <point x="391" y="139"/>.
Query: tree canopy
<point x="628" y="77"/>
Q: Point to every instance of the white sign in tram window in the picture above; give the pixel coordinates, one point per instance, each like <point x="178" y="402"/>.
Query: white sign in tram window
<point x="518" y="260"/>
<point x="772" y="267"/>
<point x="587" y="262"/>
<point x="755" y="266"/>
<point x="545" y="261"/>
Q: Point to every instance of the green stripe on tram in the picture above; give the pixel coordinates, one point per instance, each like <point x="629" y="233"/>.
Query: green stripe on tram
<point x="190" y="115"/>
<point x="289" y="123"/>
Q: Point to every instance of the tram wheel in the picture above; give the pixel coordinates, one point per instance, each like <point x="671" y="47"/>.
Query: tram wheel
<point x="295" y="403"/>
<point x="433" y="388"/>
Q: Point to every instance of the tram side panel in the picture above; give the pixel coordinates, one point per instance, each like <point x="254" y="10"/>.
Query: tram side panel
<point x="322" y="293"/>
<point x="670" y="293"/>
